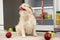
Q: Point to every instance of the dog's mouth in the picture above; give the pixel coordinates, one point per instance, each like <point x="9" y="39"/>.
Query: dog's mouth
<point x="21" y="9"/>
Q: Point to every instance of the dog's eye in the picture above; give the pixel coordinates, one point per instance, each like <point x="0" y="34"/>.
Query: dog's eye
<point x="29" y="7"/>
<point x="24" y="5"/>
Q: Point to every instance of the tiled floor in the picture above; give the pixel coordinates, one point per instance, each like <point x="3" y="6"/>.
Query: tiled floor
<point x="40" y="37"/>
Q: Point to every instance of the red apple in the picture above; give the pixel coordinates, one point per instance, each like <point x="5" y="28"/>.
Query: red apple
<point x="47" y="36"/>
<point x="8" y="34"/>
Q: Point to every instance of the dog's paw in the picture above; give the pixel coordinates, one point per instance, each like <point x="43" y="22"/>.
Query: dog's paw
<point x="35" y="35"/>
<point x="24" y="36"/>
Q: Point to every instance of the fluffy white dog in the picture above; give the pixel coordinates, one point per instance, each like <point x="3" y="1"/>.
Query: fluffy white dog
<point x="27" y="21"/>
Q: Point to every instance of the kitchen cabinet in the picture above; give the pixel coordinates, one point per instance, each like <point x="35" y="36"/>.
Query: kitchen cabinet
<point x="11" y="14"/>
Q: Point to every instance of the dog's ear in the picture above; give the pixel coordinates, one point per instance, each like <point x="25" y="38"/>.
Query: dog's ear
<point x="33" y="10"/>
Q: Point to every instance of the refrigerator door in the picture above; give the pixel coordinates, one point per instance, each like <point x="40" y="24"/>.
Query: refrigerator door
<point x="48" y="7"/>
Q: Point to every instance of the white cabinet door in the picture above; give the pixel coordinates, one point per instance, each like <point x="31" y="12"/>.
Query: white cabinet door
<point x="1" y="15"/>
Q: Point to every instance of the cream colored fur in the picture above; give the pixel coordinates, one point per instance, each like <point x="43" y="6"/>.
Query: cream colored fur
<point x="27" y="21"/>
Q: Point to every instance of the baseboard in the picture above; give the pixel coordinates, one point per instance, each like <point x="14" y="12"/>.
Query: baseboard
<point x="1" y="27"/>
